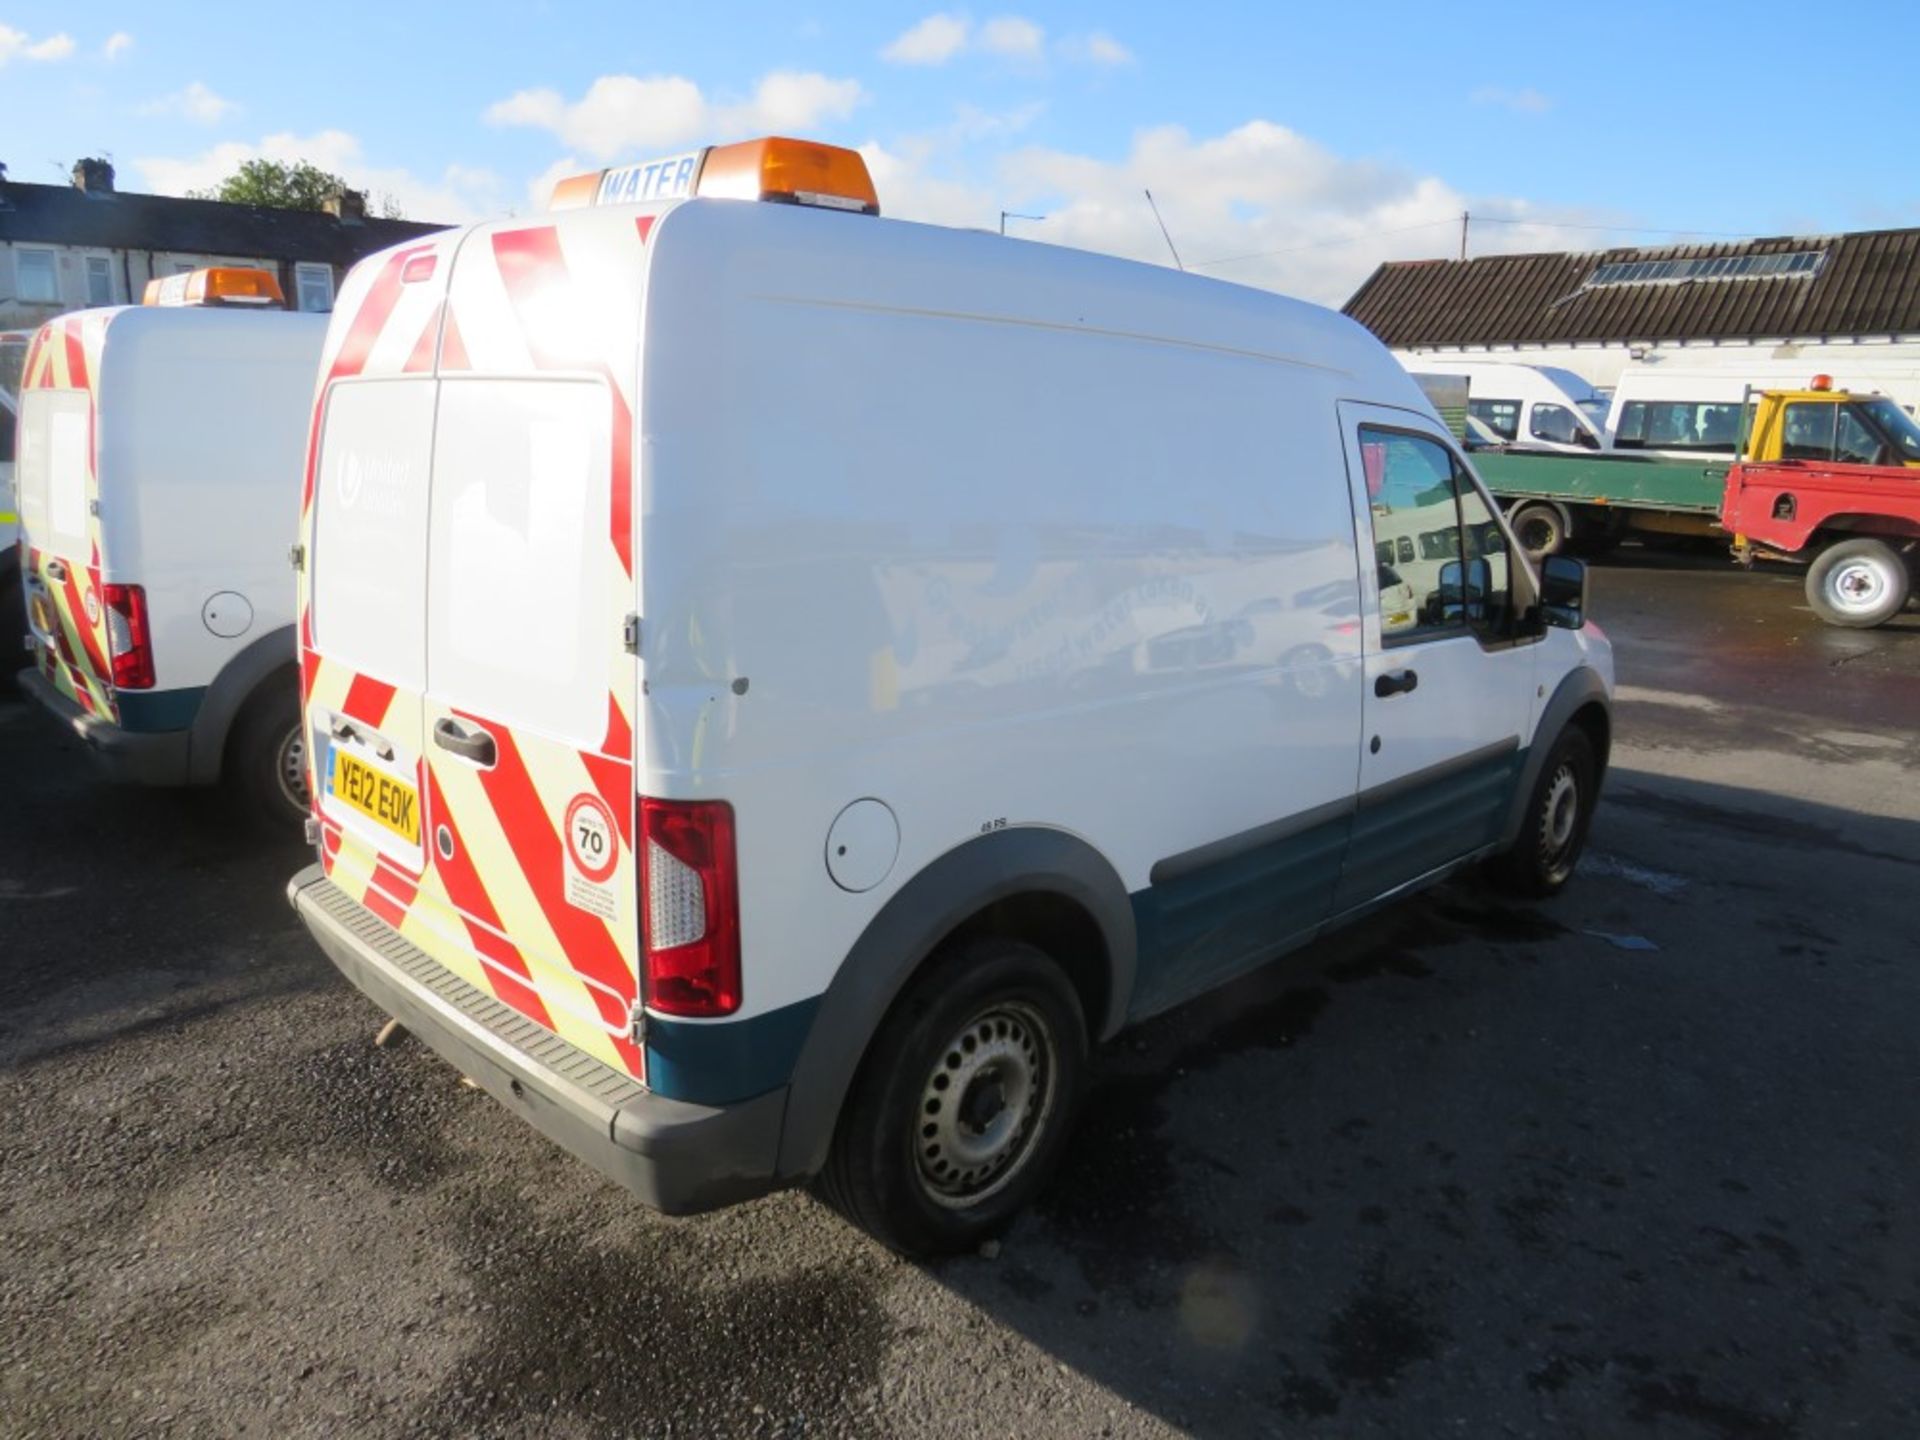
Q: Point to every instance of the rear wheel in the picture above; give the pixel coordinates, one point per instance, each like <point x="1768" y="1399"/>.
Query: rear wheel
<point x="266" y="761"/>
<point x="1540" y="529"/>
<point x="13" y="627"/>
<point x="1858" y="583"/>
<point x="961" y="1106"/>
<point x="1559" y="811"/>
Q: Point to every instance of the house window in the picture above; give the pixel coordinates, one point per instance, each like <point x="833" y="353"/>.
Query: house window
<point x="314" y="287"/>
<point x="36" y="281"/>
<point x="99" y="280"/>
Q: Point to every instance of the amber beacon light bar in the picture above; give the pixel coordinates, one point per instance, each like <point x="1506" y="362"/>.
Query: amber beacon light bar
<point x="792" y="172"/>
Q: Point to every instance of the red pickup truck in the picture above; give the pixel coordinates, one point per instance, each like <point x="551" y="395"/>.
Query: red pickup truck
<point x="1857" y="527"/>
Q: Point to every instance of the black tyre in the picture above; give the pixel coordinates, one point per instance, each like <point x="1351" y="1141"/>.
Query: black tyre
<point x="1559" y="812"/>
<point x="265" y="765"/>
<point x="1858" y="583"/>
<point x="961" y="1106"/>
<point x="1540" y="529"/>
<point x="13" y="628"/>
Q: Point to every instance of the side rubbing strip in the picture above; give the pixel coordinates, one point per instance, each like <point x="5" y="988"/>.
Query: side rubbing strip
<point x="1433" y="774"/>
<point x="1215" y="851"/>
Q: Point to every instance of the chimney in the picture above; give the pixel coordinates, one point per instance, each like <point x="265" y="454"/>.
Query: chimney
<point x="93" y="176"/>
<point x="349" y="207"/>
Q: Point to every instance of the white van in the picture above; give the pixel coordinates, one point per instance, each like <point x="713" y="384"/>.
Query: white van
<point x="1688" y="407"/>
<point x="1521" y="407"/>
<point x="155" y="447"/>
<point x="782" y="684"/>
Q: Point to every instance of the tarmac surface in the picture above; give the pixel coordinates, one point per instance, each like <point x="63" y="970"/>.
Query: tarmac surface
<point x="1641" y="1161"/>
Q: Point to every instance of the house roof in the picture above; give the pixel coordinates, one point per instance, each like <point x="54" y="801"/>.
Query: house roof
<point x="1866" y="283"/>
<point x="65" y="215"/>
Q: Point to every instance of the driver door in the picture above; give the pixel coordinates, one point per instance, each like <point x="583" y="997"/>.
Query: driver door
<point x="1448" y="692"/>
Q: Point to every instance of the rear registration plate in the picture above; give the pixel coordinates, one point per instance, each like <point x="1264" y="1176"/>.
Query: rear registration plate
<point x="391" y="804"/>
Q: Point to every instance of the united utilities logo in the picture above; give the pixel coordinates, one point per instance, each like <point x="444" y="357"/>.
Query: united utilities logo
<point x="374" y="483"/>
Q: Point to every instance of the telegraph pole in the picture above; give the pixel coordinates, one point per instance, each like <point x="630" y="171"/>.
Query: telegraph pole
<point x="1464" y="217"/>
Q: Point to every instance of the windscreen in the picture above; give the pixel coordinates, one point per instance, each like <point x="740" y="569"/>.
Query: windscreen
<point x="1898" y="425"/>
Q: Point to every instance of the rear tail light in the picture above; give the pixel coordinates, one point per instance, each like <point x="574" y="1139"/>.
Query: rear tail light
<point x="689" y="885"/>
<point x="129" y="642"/>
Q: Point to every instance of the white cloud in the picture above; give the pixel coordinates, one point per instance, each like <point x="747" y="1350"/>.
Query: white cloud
<point x="1285" y="212"/>
<point x="627" y="114"/>
<point x="1100" y="48"/>
<point x="18" y="43"/>
<point x="1525" y="101"/>
<point x="540" y="187"/>
<point x="1013" y="37"/>
<point x="934" y="41"/>
<point x="460" y="193"/>
<point x="117" y="45"/>
<point x="197" y="102"/>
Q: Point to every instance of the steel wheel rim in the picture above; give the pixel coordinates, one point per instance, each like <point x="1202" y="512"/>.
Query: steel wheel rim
<point x="1857" y="586"/>
<point x="983" y="1104"/>
<point x="290" y="769"/>
<point x="1559" y="819"/>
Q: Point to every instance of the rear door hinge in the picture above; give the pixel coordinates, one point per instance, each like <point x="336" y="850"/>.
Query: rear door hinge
<point x="637" y="1021"/>
<point x="630" y="634"/>
<point x="297" y="556"/>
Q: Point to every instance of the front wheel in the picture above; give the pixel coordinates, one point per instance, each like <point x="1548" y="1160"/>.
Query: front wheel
<point x="960" y="1108"/>
<point x="1554" y="832"/>
<point x="1858" y="584"/>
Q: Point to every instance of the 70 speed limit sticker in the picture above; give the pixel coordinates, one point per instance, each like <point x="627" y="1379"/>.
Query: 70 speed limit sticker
<point x="593" y="853"/>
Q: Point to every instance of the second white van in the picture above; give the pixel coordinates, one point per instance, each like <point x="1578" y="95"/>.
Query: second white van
<point x="155" y="453"/>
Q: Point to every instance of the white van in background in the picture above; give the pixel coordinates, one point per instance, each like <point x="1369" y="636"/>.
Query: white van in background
<point x="1689" y="406"/>
<point x="159" y="450"/>
<point x="1521" y="407"/>
<point x="783" y="684"/>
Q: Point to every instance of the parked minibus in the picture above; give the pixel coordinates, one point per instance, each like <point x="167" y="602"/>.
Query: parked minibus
<point x="1521" y="407"/>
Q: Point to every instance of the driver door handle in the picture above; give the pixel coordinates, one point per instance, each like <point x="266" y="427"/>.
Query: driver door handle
<point x="475" y="744"/>
<point x="1387" y="686"/>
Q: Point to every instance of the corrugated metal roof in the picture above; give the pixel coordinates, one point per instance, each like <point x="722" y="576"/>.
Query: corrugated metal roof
<point x="63" y="215"/>
<point x="1869" y="284"/>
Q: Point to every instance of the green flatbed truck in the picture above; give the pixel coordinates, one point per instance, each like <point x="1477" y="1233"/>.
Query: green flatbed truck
<point x="1590" y="502"/>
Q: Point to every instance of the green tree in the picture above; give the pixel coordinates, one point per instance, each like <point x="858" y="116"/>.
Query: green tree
<point x="298" y="186"/>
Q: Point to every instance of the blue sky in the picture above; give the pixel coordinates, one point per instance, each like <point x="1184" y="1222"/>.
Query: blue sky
<point x="1317" y="140"/>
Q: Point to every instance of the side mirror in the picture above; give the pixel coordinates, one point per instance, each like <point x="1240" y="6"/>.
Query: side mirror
<point x="1563" y="591"/>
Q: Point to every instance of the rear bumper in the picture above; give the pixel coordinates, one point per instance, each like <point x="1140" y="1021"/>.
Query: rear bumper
<point x="678" y="1157"/>
<point x="156" y="757"/>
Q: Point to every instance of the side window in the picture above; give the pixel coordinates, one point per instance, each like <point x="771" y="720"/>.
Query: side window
<point x="313" y="287"/>
<point x="1554" y="424"/>
<point x="1807" y="431"/>
<point x="1858" y="443"/>
<point x="1412" y="487"/>
<point x="1502" y="417"/>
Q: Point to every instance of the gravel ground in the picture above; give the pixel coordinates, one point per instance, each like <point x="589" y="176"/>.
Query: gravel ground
<point x="1641" y="1161"/>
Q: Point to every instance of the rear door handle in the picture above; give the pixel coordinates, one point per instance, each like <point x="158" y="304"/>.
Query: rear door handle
<point x="57" y="571"/>
<point x="475" y="744"/>
<point x="1401" y="684"/>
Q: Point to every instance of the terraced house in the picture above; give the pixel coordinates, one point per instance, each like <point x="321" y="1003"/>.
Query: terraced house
<point x="67" y="247"/>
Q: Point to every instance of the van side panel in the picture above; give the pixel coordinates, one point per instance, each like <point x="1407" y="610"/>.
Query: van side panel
<point x="59" y="494"/>
<point x="950" y="524"/>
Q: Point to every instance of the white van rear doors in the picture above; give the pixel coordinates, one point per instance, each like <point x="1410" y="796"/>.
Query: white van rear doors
<point x="1447" y="697"/>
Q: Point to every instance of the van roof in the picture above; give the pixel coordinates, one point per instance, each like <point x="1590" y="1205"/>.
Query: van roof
<point x="970" y="274"/>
